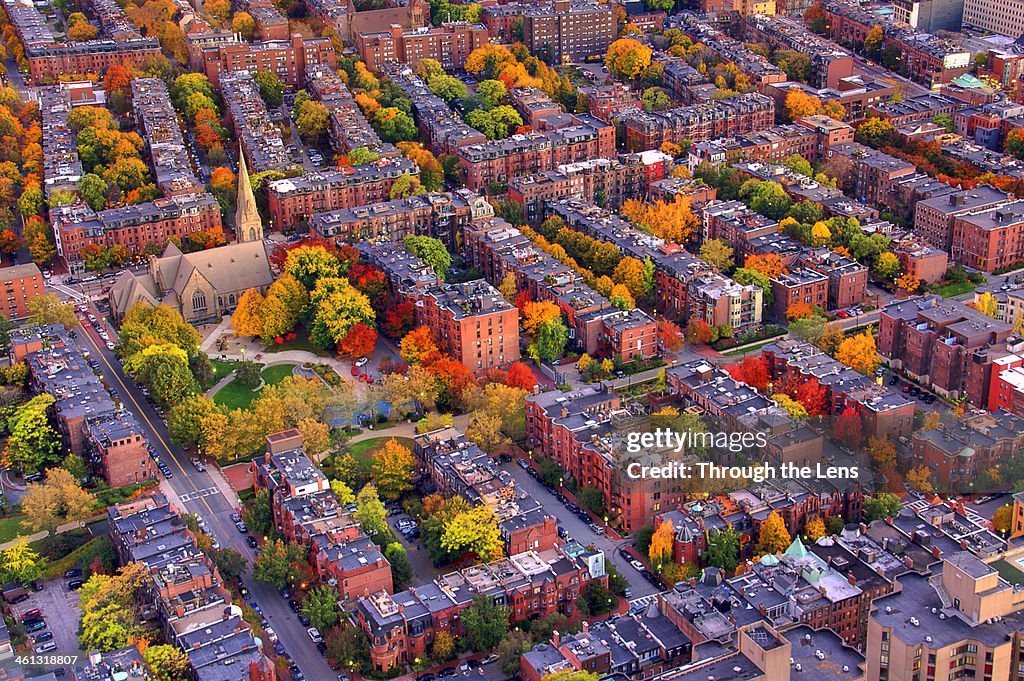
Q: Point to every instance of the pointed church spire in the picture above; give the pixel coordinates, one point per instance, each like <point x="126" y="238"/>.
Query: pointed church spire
<point x="248" y="224"/>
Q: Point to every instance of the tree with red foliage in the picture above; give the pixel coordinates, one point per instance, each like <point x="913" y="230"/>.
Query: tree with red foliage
<point x="359" y="341"/>
<point x="368" y="280"/>
<point x="753" y="371"/>
<point x="399" y="320"/>
<point x="9" y="241"/>
<point x="520" y="376"/>
<point x="454" y="377"/>
<point x="348" y="255"/>
<point x="522" y="298"/>
<point x="846" y="428"/>
<point x="813" y="396"/>
<point x="698" y="332"/>
<point x="670" y="335"/>
<point x="280" y="252"/>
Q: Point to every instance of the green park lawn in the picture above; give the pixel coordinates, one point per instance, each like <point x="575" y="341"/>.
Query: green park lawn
<point x="234" y="395"/>
<point x="363" y="451"/>
<point x="950" y="290"/>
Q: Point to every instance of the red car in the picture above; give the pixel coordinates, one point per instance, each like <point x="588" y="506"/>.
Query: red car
<point x="355" y="371"/>
<point x="842" y="314"/>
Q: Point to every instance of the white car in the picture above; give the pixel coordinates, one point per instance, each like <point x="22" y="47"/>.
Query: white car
<point x="314" y="635"/>
<point x="110" y="346"/>
<point x="271" y="635"/>
<point x="637" y="565"/>
<point x="361" y="361"/>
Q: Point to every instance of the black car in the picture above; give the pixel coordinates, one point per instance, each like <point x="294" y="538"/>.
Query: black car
<point x="425" y="677"/>
<point x="294" y="605"/>
<point x="893" y="380"/>
<point x="279" y="648"/>
<point x="473" y="664"/>
<point x="504" y="458"/>
<point x="45" y="636"/>
<point x="251" y="541"/>
<point x="75" y="584"/>
<point x="304" y="620"/>
<point x="447" y="672"/>
<point x="58" y="672"/>
<point x="322" y="647"/>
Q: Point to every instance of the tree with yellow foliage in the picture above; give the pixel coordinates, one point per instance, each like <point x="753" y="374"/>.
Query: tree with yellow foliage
<point x="820" y="234"/>
<point x="815" y="529"/>
<point x="860" y="353"/>
<point x="674" y="221"/>
<point x="1002" y="519"/>
<point x="621" y="297"/>
<point x="630" y="272"/>
<point x="987" y="304"/>
<point x="627" y="59"/>
<point x="661" y="544"/>
<point x="247" y="319"/>
<point x="882" y="450"/>
<point x="920" y="478"/>
<point x="796" y="410"/>
<point x="536" y="314"/>
<point x="393" y="466"/>
<point x="773" y="537"/>
<point x="834" y="110"/>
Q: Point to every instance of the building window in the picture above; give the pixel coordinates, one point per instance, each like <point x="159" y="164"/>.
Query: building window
<point x="198" y="301"/>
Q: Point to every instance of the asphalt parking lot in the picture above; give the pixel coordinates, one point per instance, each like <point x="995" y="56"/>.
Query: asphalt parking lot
<point x="59" y="607"/>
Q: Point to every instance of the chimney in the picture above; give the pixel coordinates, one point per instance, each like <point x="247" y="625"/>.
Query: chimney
<point x="586" y="626"/>
<point x="851" y="579"/>
<point x="555" y="638"/>
<point x="936" y="553"/>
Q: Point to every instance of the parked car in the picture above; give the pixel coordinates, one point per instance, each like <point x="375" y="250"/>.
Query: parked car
<point x="236" y="518"/>
<point x="32" y="614"/>
<point x="294" y="605"/>
<point x="637" y="565"/>
<point x="361" y="361"/>
<point x="271" y="635"/>
<point x="198" y="465"/>
<point x="522" y="464"/>
<point x="240" y="526"/>
<point x="43" y="637"/>
<point x="596" y="529"/>
<point x="34" y="626"/>
<point x="75" y="584"/>
<point x="893" y="380"/>
<point x="251" y="541"/>
<point x="46" y="647"/>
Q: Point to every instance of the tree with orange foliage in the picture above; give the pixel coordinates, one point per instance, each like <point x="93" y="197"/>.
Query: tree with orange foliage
<point x="537" y="314"/>
<point x="418" y="346"/>
<point x="662" y="544"/>
<point x="769" y="264"/>
<point x="799" y="104"/>
<point x="359" y="341"/>
<point x="670" y="335"/>
<point x="674" y="221"/>
<point x="799" y="310"/>
<point x="454" y="380"/>
<point x="10" y="242"/>
<point x="118" y="78"/>
<point x="698" y="331"/>
<point x="908" y="282"/>
<point x="753" y="371"/>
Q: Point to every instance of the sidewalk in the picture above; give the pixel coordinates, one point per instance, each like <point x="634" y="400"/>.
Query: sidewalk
<point x="404" y="430"/>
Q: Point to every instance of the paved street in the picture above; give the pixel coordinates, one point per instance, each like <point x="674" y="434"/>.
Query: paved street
<point x="199" y="493"/>
<point x="579" y="530"/>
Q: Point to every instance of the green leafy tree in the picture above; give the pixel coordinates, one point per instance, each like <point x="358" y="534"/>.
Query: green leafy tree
<point x="550" y="340"/>
<point x="431" y="251"/>
<point x="312" y="120"/>
<point x="271" y="88"/>
<point x="276" y="565"/>
<point x="724" y="550"/>
<point x="401" y="568"/>
<point x="486" y="623"/>
<point x="321" y="606"/>
<point x="446" y="87"/>
<point x="229" y="562"/>
<point x="33" y="443"/>
<point x="164" y="369"/>
<point x="875" y="133"/>
<point x="370" y="513"/>
<point x="883" y="505"/>
<point x="510" y="649"/>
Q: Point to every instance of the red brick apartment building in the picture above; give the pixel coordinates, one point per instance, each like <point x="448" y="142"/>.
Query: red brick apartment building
<point x="847" y="278"/>
<point x="936" y="341"/>
<point x="736" y="224"/>
<point x="459" y="467"/>
<point x="497" y="161"/>
<point x="295" y="199"/>
<point x="474" y="323"/>
<point x="20" y="284"/>
<point x="307" y="512"/>
<point x="118" y="449"/>
<point x="448" y="44"/>
<point x="920" y="260"/>
<point x="720" y="301"/>
<point x="569" y="31"/>
<point x="402" y="627"/>
<point x="270" y="23"/>
<point x="798" y="286"/>
<point x="442" y="216"/>
<point x="605" y="101"/>
<point x="721" y="118"/>
<point x="956" y="456"/>
<point x="287" y="59"/>
<point x="934" y="218"/>
<point x="630" y="177"/>
<point x="991" y="239"/>
<point x="830" y="131"/>
<point x="155" y="222"/>
<point x="471" y="321"/>
<point x="869" y="169"/>
<point x="534" y="104"/>
<point x="50" y="62"/>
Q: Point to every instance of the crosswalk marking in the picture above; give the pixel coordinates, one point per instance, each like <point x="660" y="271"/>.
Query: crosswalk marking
<point x="198" y="494"/>
<point x="644" y="600"/>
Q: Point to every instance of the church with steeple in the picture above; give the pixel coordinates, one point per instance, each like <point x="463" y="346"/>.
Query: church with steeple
<point x="248" y="223"/>
<point x="203" y="285"/>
